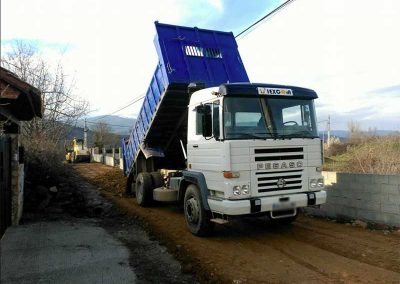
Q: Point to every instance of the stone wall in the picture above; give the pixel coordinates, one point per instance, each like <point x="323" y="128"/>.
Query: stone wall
<point x="17" y="182"/>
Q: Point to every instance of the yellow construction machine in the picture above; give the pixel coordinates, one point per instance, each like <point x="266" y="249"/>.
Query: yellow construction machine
<point x="77" y="151"/>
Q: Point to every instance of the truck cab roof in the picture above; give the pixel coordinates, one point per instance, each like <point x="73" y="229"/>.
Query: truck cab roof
<point x="257" y="89"/>
<point x="252" y="89"/>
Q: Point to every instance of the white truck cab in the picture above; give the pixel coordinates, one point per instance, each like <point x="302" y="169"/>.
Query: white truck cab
<point x="258" y="148"/>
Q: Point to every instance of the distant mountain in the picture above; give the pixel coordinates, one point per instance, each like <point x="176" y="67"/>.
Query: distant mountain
<point x="118" y="125"/>
<point x="344" y="134"/>
<point x="77" y="132"/>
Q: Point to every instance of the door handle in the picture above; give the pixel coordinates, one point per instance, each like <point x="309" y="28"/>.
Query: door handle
<point x="196" y="146"/>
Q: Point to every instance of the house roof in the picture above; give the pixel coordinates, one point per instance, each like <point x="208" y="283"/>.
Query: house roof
<point x="18" y="99"/>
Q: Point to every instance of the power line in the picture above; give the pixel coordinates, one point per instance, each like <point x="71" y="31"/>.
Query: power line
<point x="91" y="122"/>
<point x="280" y="7"/>
<point x="124" y="107"/>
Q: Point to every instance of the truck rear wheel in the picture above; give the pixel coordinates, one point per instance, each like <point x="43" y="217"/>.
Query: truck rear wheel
<point x="130" y="188"/>
<point x="144" y="189"/>
<point x="197" y="218"/>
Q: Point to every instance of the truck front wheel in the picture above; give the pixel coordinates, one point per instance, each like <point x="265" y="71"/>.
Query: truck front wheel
<point x="144" y="189"/>
<point x="197" y="218"/>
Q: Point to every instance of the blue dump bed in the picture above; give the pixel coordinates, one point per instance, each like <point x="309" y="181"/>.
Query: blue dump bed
<point x="185" y="55"/>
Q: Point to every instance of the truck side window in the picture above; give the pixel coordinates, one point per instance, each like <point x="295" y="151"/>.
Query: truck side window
<point x="199" y="122"/>
<point x="204" y="119"/>
<point x="215" y="115"/>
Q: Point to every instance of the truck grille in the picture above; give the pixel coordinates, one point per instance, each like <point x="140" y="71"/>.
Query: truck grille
<point x="268" y="181"/>
<point x="279" y="169"/>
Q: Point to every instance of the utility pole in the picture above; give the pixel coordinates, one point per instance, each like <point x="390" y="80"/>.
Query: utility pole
<point x="328" y="142"/>
<point x="85" y="130"/>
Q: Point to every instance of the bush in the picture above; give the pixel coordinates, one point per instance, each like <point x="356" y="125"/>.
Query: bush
<point x="44" y="163"/>
<point x="371" y="154"/>
<point x="335" y="147"/>
<point x="380" y="155"/>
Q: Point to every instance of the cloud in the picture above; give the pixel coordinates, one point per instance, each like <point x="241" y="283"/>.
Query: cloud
<point x="217" y="4"/>
<point x="337" y="49"/>
<point x="108" y="46"/>
<point x="387" y="91"/>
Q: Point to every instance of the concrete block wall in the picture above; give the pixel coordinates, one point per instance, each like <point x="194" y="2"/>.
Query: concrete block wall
<point x="368" y="197"/>
<point x="109" y="161"/>
<point x="112" y="159"/>
<point x="97" y="158"/>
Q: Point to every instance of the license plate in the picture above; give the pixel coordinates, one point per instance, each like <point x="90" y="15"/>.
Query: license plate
<point x="283" y="206"/>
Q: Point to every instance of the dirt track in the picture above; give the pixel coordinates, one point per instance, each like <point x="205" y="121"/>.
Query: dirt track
<point x="250" y="251"/>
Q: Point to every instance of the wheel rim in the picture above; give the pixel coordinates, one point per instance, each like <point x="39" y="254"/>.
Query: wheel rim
<point x="192" y="210"/>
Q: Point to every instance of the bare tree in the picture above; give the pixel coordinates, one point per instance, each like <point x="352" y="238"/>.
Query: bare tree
<point x="61" y="108"/>
<point x="355" y="132"/>
<point x="103" y="136"/>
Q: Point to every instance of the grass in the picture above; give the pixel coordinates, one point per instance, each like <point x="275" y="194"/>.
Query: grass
<point x="378" y="155"/>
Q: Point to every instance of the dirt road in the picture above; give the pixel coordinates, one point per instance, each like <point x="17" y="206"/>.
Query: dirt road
<point x="251" y="251"/>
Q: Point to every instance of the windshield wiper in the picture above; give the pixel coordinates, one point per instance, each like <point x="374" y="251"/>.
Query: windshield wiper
<point x="276" y="135"/>
<point x="251" y="135"/>
<point x="301" y="134"/>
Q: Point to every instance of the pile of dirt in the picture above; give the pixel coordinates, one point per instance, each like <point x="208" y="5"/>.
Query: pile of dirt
<point x="113" y="181"/>
<point x="109" y="179"/>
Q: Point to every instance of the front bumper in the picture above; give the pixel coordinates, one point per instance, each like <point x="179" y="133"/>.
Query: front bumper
<point x="246" y="206"/>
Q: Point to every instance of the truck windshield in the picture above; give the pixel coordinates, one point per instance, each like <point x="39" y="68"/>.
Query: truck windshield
<point x="266" y="117"/>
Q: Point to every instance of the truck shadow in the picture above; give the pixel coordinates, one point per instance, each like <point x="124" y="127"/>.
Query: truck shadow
<point x="252" y="228"/>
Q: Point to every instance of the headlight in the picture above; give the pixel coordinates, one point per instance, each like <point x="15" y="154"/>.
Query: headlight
<point x="236" y="190"/>
<point x="313" y="183"/>
<point x="320" y="182"/>
<point x="245" y="189"/>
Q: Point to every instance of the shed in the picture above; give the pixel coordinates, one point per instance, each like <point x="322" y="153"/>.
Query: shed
<point x="19" y="101"/>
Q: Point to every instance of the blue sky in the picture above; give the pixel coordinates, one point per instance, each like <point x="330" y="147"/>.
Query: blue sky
<point x="348" y="51"/>
<point x="229" y="15"/>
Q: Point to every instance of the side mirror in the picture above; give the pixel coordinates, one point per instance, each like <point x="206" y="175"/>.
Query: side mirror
<point x="202" y="109"/>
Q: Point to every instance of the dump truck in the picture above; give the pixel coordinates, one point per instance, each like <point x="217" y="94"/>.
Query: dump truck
<point x="77" y="151"/>
<point x="218" y="145"/>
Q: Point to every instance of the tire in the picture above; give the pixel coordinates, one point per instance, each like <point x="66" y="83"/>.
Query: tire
<point x="284" y="221"/>
<point x="144" y="189"/>
<point x="197" y="218"/>
<point x="157" y="179"/>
